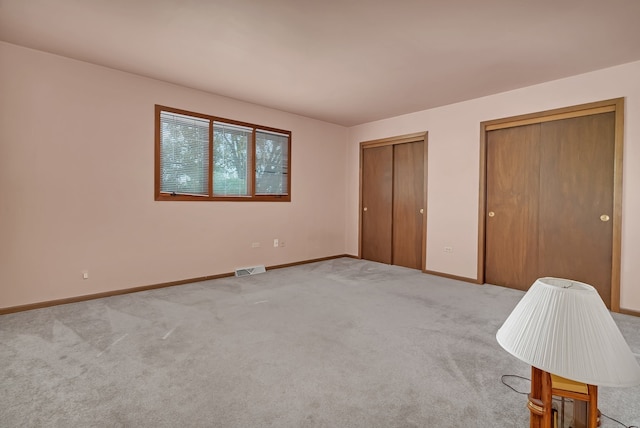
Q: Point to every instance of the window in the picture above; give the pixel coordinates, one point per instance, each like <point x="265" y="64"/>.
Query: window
<point x="206" y="158"/>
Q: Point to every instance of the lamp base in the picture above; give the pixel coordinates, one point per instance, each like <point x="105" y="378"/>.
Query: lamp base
<point x="544" y="386"/>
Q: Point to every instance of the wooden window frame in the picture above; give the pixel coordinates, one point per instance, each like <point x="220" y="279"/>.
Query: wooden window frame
<point x="251" y="162"/>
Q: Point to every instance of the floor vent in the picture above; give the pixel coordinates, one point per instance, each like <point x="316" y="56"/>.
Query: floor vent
<point x="253" y="270"/>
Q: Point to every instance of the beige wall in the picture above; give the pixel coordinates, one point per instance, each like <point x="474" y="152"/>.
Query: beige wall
<point x="76" y="175"/>
<point x="76" y="167"/>
<point x="453" y="178"/>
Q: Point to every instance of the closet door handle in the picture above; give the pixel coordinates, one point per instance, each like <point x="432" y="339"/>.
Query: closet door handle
<point x="365" y="208"/>
<point x="491" y="214"/>
<point x="604" y="217"/>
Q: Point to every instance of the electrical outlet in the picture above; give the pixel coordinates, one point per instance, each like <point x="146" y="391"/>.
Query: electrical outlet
<point x="448" y="249"/>
<point x="85" y="274"/>
<point x="275" y="243"/>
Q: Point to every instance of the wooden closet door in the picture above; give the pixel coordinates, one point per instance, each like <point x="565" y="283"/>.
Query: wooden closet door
<point x="511" y="241"/>
<point x="408" y="196"/>
<point x="576" y="204"/>
<point x="377" y="198"/>
<point x="550" y="202"/>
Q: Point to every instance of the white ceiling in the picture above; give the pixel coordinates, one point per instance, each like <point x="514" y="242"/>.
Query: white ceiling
<point x="341" y="61"/>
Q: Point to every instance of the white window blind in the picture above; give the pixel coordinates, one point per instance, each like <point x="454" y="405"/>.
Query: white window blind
<point x="184" y="160"/>
<point x="231" y="159"/>
<point x="272" y="160"/>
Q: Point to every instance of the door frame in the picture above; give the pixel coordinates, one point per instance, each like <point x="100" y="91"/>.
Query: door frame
<point x="615" y="105"/>
<point x="391" y="141"/>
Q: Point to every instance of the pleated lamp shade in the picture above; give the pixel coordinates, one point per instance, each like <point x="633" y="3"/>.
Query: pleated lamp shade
<point x="563" y="327"/>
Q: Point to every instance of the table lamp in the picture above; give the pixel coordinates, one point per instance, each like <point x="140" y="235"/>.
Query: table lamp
<point x="563" y="329"/>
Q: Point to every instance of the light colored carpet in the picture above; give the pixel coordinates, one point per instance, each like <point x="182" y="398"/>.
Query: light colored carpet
<point x="340" y="343"/>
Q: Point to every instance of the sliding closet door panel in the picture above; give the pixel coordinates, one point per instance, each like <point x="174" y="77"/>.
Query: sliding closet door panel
<point x="511" y="253"/>
<point x="576" y="204"/>
<point x="377" y="199"/>
<point x="408" y="191"/>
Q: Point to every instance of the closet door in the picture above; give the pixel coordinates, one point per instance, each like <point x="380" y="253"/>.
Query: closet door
<point x="513" y="171"/>
<point x="377" y="199"/>
<point x="408" y="206"/>
<point x="576" y="204"/>
<point x="550" y="202"/>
